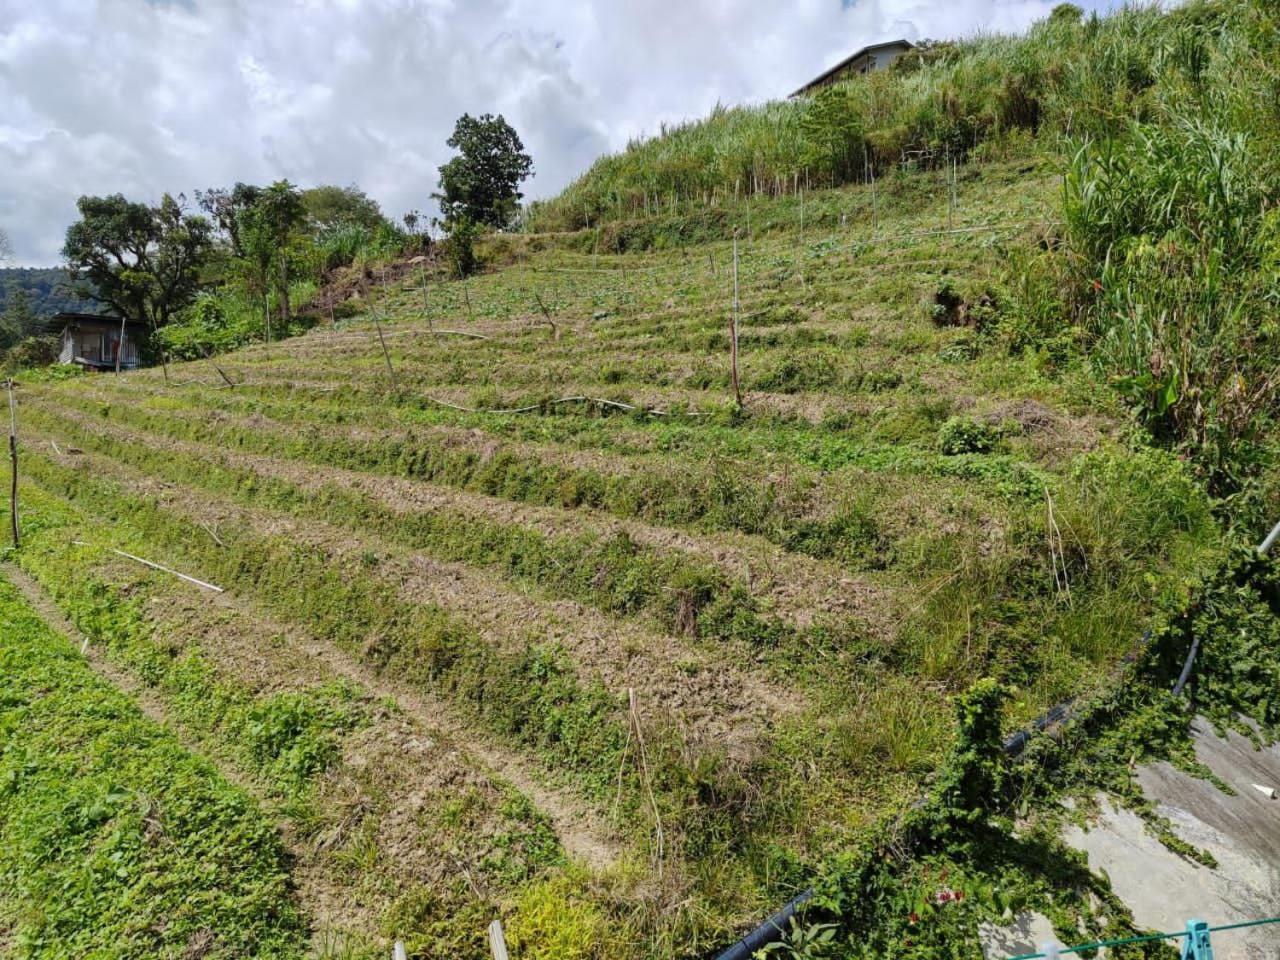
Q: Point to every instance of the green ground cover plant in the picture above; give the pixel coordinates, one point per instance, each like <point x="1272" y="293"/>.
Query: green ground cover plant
<point x="117" y="841"/>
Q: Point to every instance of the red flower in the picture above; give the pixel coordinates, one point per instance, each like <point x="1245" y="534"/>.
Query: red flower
<point x="1097" y="285"/>
<point x="914" y="917"/>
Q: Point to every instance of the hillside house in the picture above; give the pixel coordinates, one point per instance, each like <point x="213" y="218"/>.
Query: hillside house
<point x="878" y="56"/>
<point x="93" y="341"/>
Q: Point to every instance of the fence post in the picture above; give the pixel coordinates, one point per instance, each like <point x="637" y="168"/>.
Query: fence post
<point x="397" y="952"/>
<point x="497" y="942"/>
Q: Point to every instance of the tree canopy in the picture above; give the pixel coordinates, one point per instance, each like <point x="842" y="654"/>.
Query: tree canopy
<point x="482" y="182"/>
<point x="332" y="208"/>
<point x="143" y="262"/>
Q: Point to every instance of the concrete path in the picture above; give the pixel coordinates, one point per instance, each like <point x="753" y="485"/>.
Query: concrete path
<point x="1242" y="832"/>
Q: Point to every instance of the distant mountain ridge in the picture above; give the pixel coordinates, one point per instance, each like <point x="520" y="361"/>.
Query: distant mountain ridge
<point x="49" y="290"/>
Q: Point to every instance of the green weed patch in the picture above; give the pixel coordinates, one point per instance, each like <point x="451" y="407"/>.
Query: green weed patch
<point x="114" y="840"/>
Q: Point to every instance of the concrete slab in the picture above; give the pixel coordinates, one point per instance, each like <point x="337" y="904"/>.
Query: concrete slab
<point x="1027" y="933"/>
<point x="1242" y="832"/>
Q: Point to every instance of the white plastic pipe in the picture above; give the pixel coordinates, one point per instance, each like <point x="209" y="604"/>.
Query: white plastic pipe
<point x="1265" y="546"/>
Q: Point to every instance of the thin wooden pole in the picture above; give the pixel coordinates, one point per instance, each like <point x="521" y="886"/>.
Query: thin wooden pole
<point x="386" y="354"/>
<point x="13" y="464"/>
<point x="875" y="207"/>
<point x="466" y="293"/>
<point x="120" y="346"/>
<point x="285" y="306"/>
<point x="733" y="329"/>
<point x="648" y="780"/>
<point x="164" y="354"/>
<point x="951" y="193"/>
<point x="426" y="301"/>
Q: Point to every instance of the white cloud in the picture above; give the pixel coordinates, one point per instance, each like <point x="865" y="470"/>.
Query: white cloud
<point x="105" y="96"/>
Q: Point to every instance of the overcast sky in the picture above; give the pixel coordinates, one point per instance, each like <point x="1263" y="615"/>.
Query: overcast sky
<point x="143" y="96"/>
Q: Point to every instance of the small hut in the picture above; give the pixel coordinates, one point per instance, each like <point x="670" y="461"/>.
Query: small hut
<point x="95" y="341"/>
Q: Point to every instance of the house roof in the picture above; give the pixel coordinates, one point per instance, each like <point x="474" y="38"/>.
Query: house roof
<point x="62" y="319"/>
<point x="870" y="48"/>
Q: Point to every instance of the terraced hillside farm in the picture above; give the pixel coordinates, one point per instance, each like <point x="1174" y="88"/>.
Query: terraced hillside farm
<point x="524" y="617"/>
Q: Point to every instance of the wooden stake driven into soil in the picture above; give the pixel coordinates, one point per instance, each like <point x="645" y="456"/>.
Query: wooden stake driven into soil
<point x="373" y="312"/>
<point x="555" y="332"/>
<point x="634" y="715"/>
<point x="426" y="300"/>
<point x="733" y="329"/>
<point x="120" y="346"/>
<point x="13" y="467"/>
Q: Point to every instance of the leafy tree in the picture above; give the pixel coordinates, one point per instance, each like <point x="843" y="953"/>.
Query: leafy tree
<point x="226" y="207"/>
<point x="331" y="208"/>
<point x="482" y="182"/>
<point x="19" y="320"/>
<point x="280" y="214"/>
<point x="143" y="262"/>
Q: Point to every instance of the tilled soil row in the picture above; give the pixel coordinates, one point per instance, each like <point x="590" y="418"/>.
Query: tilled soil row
<point x="800" y="589"/>
<point x="713" y="705"/>
<point x="397" y="773"/>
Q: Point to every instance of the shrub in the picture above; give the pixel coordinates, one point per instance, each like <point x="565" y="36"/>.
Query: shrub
<point x="965" y="435"/>
<point x="460" y="247"/>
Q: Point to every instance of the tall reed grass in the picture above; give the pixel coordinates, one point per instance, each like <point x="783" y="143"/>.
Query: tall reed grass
<point x="1068" y="75"/>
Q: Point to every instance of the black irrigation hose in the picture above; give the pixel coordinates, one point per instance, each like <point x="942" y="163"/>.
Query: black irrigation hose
<point x="768" y="932"/>
<point x="1186" y="667"/>
<point x="776" y="926"/>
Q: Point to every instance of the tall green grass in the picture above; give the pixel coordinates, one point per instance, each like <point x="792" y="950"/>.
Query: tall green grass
<point x="1173" y="247"/>
<point x="1068" y="75"/>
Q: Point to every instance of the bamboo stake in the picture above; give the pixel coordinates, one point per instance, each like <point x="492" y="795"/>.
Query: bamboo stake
<point x="951" y="193"/>
<point x="471" y="317"/>
<point x="648" y="782"/>
<point x="386" y="354"/>
<point x="13" y="465"/>
<point x="164" y="356"/>
<point x="426" y="302"/>
<point x="733" y="329"/>
<point x="875" y="207"/>
<point x="555" y="331"/>
<point x="599" y="401"/>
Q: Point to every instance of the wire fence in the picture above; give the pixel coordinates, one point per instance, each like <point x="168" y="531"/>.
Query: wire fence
<point x="1198" y="945"/>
